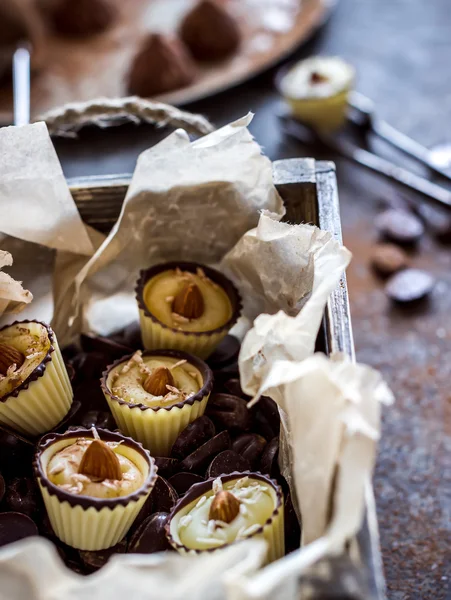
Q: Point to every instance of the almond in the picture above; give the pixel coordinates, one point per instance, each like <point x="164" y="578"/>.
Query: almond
<point x="225" y="507"/>
<point x="10" y="356"/>
<point x="189" y="302"/>
<point x="156" y="383"/>
<point x="100" y="461"/>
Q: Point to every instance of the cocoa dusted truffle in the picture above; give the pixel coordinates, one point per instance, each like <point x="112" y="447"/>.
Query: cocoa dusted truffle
<point x="162" y="64"/>
<point x="83" y="17"/>
<point x="210" y="31"/>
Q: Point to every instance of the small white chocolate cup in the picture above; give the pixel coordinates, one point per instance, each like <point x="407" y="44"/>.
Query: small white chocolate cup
<point x="84" y="522"/>
<point x="157" y="428"/>
<point x="44" y="398"/>
<point x="272" y="531"/>
<point x="158" y="335"/>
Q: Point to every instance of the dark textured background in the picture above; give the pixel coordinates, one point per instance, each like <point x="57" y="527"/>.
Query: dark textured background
<point x="402" y="51"/>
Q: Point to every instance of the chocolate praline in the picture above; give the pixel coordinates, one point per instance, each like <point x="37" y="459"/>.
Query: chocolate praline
<point x="162" y="64"/>
<point x="210" y="31"/>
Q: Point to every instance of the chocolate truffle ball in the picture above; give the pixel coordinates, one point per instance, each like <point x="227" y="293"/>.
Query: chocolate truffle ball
<point x="210" y="31"/>
<point x="82" y="18"/>
<point x="161" y="65"/>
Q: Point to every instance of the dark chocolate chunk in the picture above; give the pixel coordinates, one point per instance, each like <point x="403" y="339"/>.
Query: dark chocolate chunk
<point x="150" y="536"/>
<point x="399" y="226"/>
<point x="193" y="436"/>
<point x="387" y="259"/>
<point x="266" y="418"/>
<point x="98" y="418"/>
<point x="132" y="336"/>
<point x="2" y="487"/>
<point x="94" y="560"/>
<point x="410" y="285"/>
<point x="22" y="496"/>
<point x="229" y="412"/>
<point x="89" y="366"/>
<point x="198" y="460"/>
<point x="225" y="353"/>
<point x="268" y="460"/>
<point x="70" y="418"/>
<point x="15" y="526"/>
<point x="225" y="373"/>
<point x="163" y="496"/>
<point x="15" y="455"/>
<point x="103" y="345"/>
<point x="292" y="527"/>
<point x="250" y="446"/>
<point x="90" y="394"/>
<point x="70" y="371"/>
<point x="181" y="482"/>
<point x="233" y="386"/>
<point x="11" y="433"/>
<point x="227" y="462"/>
<point x="166" y="466"/>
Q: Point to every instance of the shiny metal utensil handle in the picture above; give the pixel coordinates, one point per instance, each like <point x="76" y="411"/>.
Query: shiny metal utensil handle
<point x="21" y="85"/>
<point x="366" y="118"/>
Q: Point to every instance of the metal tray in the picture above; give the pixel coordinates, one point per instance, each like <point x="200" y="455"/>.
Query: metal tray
<point x="309" y="191"/>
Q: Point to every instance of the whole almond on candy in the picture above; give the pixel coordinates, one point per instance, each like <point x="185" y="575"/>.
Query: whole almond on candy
<point x="9" y="356"/>
<point x="189" y="302"/>
<point x="100" y="461"/>
<point x="225" y="507"/>
<point x="156" y="383"/>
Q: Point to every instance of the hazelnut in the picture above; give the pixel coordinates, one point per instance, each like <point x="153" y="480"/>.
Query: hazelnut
<point x="210" y="31"/>
<point x="161" y="65"/>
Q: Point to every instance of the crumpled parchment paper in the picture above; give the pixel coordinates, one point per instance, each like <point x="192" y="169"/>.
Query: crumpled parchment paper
<point x="13" y="297"/>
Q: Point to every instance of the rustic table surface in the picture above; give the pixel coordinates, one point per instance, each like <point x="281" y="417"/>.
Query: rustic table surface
<point x="401" y="50"/>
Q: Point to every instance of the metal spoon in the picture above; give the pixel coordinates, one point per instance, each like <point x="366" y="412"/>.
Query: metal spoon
<point x="21" y="85"/>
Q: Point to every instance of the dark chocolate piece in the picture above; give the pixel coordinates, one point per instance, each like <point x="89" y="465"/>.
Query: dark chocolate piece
<point x="387" y="259"/>
<point x="150" y="536"/>
<point x="229" y="412"/>
<point x="104" y="346"/>
<point x="2" y="487"/>
<point x="69" y="418"/>
<point x="266" y="418"/>
<point x="199" y="459"/>
<point x="268" y="460"/>
<point x="83" y="18"/>
<point x="399" y="226"/>
<point x="193" y="436"/>
<point x="250" y="446"/>
<point x="227" y="462"/>
<point x="410" y="285"/>
<point x="98" y="418"/>
<point x="210" y="31"/>
<point x="22" y="497"/>
<point x="291" y="526"/>
<point x="15" y="526"/>
<point x="225" y="353"/>
<point x="162" y="64"/>
<point x="91" y="397"/>
<point x="132" y="335"/>
<point x="166" y="466"/>
<point x="70" y="371"/>
<point x="15" y="455"/>
<point x="94" y="560"/>
<point x="9" y="432"/>
<point x="89" y="366"/>
<point x="181" y="482"/>
<point x="233" y="386"/>
<point x="163" y="496"/>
